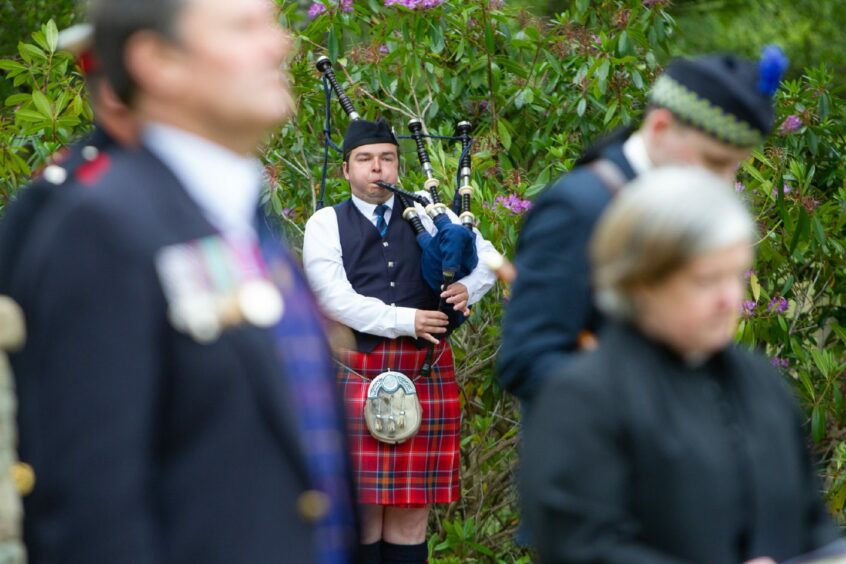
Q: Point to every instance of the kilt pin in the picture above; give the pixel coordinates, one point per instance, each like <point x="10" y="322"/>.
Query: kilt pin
<point x="425" y="468"/>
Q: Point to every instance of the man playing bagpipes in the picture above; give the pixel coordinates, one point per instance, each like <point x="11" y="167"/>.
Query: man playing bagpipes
<point x="364" y="263"/>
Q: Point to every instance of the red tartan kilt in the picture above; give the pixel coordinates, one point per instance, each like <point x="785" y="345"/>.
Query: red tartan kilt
<point x="425" y="468"/>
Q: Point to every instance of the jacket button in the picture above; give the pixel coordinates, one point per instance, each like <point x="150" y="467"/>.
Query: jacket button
<point x="384" y="243"/>
<point x="90" y="153"/>
<point x="390" y="264"/>
<point x="313" y="505"/>
<point x="393" y="284"/>
<point x="54" y="174"/>
<point x="12" y="326"/>
<point x="23" y="477"/>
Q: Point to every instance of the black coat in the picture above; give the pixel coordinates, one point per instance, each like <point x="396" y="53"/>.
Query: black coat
<point x="631" y="456"/>
<point x="30" y="203"/>
<point x="148" y="446"/>
<point x="551" y="302"/>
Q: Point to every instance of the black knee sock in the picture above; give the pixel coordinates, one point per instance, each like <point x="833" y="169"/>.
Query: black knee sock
<point x="371" y="553"/>
<point x="404" y="553"/>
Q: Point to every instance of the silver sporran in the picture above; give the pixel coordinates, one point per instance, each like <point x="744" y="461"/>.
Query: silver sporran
<point x="392" y="410"/>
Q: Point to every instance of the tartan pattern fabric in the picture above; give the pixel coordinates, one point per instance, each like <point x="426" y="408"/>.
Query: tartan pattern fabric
<point x="686" y="104"/>
<point x="305" y="356"/>
<point x="425" y="468"/>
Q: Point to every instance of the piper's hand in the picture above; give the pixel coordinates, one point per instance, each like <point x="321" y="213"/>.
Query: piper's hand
<point x="429" y="323"/>
<point x="457" y="295"/>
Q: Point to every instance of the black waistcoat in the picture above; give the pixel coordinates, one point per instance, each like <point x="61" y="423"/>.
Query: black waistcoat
<point x="385" y="268"/>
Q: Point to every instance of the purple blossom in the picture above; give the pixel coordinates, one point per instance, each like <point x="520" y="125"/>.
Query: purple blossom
<point x="383" y="48"/>
<point x="415" y="4"/>
<point x="747" y="308"/>
<point x="748" y="274"/>
<point x="777" y="305"/>
<point x="316" y="9"/>
<point x="596" y="39"/>
<point x="319" y="8"/>
<point x="787" y="190"/>
<point x="495" y="4"/>
<point x="739" y="186"/>
<point x="513" y="203"/>
<point x="288" y="212"/>
<point x="779" y="362"/>
<point x="790" y="124"/>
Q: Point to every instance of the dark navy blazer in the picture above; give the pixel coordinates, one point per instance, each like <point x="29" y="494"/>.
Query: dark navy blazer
<point x="551" y="302"/>
<point x="148" y="446"/>
<point x="24" y="211"/>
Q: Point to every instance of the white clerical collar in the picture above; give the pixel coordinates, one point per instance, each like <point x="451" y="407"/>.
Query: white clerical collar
<point x="369" y="209"/>
<point x="634" y="149"/>
<point x="224" y="184"/>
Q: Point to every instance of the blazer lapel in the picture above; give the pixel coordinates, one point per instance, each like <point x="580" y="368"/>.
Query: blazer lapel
<point x="185" y="219"/>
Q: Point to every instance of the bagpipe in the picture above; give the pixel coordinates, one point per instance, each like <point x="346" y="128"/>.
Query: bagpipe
<point x="450" y="254"/>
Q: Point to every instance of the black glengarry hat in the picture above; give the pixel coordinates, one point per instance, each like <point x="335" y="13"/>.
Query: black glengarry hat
<point x="726" y="96"/>
<point x="363" y="132"/>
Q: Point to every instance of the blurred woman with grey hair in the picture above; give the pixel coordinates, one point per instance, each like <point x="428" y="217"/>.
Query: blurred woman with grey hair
<point x="668" y="443"/>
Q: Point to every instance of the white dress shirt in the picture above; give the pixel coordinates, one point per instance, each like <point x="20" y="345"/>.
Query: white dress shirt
<point x="369" y="210"/>
<point x="225" y="185"/>
<point x="324" y="268"/>
<point x="634" y="149"/>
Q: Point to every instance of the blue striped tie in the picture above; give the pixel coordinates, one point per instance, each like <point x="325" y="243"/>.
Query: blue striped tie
<point x="381" y="224"/>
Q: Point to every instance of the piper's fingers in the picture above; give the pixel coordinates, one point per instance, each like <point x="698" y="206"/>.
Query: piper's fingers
<point x="429" y="338"/>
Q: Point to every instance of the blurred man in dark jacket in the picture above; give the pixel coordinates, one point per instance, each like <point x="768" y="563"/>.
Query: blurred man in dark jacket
<point x="709" y="111"/>
<point x="177" y="396"/>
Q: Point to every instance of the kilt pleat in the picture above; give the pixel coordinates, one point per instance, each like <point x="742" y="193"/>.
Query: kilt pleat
<point x="425" y="468"/>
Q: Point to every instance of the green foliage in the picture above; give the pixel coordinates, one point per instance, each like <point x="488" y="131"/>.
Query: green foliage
<point x="46" y="110"/>
<point x="810" y="32"/>
<point x="21" y="18"/>
<point x="796" y="187"/>
<point x="536" y="90"/>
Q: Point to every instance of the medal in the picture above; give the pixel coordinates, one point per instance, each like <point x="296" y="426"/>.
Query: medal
<point x="260" y="303"/>
<point x="215" y="283"/>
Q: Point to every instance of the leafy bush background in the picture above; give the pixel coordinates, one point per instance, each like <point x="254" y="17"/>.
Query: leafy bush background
<point x="537" y="89"/>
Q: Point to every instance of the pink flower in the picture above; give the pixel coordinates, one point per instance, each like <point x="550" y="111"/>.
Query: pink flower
<point x="513" y="203"/>
<point x="316" y="9"/>
<point x="383" y="48"/>
<point x="790" y="124"/>
<point x="415" y="4"/>
<point x="778" y="305"/>
<point x="319" y="8"/>
<point x="787" y="190"/>
<point x="779" y="362"/>
<point x="747" y="308"/>
<point x="739" y="186"/>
